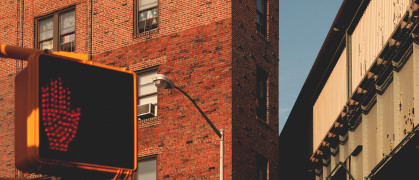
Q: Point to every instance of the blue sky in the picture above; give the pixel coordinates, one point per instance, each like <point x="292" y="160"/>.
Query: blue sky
<point x="303" y="26"/>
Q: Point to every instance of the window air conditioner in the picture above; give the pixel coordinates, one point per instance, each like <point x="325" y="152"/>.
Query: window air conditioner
<point x="145" y="111"/>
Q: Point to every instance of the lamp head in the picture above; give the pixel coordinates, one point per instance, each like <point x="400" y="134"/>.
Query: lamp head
<point x="162" y="81"/>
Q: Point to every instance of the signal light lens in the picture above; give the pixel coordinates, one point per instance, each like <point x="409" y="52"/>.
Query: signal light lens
<point x="65" y="116"/>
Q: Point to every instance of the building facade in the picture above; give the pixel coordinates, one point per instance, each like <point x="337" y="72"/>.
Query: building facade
<point x="224" y="54"/>
<point x="360" y="96"/>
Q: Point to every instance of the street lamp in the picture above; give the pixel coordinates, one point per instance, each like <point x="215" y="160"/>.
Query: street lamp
<point x="162" y="81"/>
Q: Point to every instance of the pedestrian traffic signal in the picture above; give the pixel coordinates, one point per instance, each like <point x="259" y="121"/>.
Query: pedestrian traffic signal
<point x="75" y="114"/>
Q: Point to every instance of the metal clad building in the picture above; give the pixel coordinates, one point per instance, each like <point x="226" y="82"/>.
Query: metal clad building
<point x="359" y="98"/>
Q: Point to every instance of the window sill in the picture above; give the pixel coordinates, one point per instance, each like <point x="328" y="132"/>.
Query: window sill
<point x="147" y="34"/>
<point x="148" y="121"/>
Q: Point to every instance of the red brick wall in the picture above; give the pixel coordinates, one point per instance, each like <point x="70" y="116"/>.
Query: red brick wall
<point x="8" y="34"/>
<point x="252" y="136"/>
<point x="185" y="144"/>
<point x="203" y="48"/>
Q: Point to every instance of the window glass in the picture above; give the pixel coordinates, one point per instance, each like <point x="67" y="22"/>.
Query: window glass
<point x="68" y="42"/>
<point x="46" y="29"/>
<point x="147" y="170"/>
<point x="148" y="99"/>
<point x="261" y="167"/>
<point x="261" y="93"/>
<point x="148" y="15"/>
<point x="67" y="35"/>
<point x="145" y="83"/>
<point x="68" y="22"/>
<point x="145" y="78"/>
<point x="46" y="45"/>
<point x="148" y="20"/>
<point x="147" y="91"/>
<point x="259" y="5"/>
<point x="258" y="18"/>
<point x="261" y="16"/>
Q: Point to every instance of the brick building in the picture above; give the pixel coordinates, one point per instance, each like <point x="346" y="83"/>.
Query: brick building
<point x="222" y="53"/>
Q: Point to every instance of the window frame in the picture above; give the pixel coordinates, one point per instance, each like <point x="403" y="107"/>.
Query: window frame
<point x="143" y="71"/>
<point x="262" y="29"/>
<point x="262" y="76"/>
<point x="136" y="18"/>
<point x="56" y="37"/>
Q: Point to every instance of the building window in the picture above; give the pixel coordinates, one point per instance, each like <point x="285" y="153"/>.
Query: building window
<point x="57" y="32"/>
<point x="147" y="169"/>
<point x="261" y="16"/>
<point x="147" y="15"/>
<point x="147" y="94"/>
<point x="261" y="167"/>
<point x="261" y="93"/>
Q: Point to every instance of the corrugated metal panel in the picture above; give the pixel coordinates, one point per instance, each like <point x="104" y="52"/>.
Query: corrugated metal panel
<point x="330" y="101"/>
<point x="385" y="134"/>
<point x="406" y="101"/>
<point x="355" y="139"/>
<point x="370" y="140"/>
<point x="373" y="30"/>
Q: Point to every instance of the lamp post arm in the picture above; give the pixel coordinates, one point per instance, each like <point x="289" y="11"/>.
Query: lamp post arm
<point x="202" y="113"/>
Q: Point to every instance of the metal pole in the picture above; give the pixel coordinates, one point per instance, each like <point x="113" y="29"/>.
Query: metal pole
<point x="222" y="154"/>
<point x="17" y="52"/>
<point x="220" y="132"/>
<point x="202" y="112"/>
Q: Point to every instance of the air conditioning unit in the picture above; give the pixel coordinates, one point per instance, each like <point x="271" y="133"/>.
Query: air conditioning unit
<point x="146" y="111"/>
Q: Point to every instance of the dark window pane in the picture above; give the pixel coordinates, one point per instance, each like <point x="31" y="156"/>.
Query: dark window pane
<point x="68" y="43"/>
<point x="154" y="23"/>
<point x="262" y="167"/>
<point x="156" y="12"/>
<point x="259" y="5"/>
<point x="261" y="16"/>
<point x="143" y="16"/>
<point x="141" y="26"/>
<point x="148" y="24"/>
<point x="261" y="23"/>
<point x="261" y="93"/>
<point x="148" y="20"/>
<point x="150" y="14"/>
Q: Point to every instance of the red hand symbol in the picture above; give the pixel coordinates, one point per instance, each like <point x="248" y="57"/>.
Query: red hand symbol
<point x="60" y="122"/>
